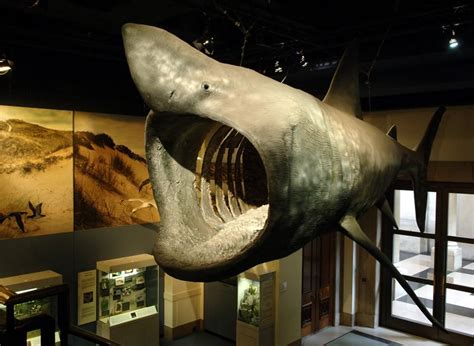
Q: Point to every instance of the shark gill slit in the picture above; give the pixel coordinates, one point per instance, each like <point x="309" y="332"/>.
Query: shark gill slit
<point x="230" y="177"/>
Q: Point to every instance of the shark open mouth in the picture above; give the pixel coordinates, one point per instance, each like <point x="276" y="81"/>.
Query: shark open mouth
<point x="230" y="178"/>
<point x="211" y="187"/>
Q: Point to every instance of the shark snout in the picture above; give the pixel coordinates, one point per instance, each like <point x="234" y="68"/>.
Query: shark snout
<point x="128" y="30"/>
<point x="166" y="71"/>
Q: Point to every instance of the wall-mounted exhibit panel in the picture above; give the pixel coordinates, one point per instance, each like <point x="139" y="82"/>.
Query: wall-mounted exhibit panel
<point x="127" y="302"/>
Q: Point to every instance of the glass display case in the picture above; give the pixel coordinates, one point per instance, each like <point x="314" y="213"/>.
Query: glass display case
<point x="30" y="282"/>
<point x="249" y="301"/>
<point x="122" y="291"/>
<point x="127" y="290"/>
<point x="255" y="308"/>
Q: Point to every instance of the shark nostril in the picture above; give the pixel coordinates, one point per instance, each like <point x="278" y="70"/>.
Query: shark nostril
<point x="172" y="93"/>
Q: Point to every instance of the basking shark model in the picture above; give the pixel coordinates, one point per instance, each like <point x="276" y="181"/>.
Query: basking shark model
<point x="245" y="169"/>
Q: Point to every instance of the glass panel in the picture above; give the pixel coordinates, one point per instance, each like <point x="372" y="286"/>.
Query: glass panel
<point x="404" y="307"/>
<point x="460" y="215"/>
<point x="460" y="265"/>
<point x="413" y="256"/>
<point x="460" y="311"/>
<point x="404" y="211"/>
<point x="249" y="300"/>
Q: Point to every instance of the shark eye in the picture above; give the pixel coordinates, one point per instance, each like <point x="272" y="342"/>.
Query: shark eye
<point x="205" y="86"/>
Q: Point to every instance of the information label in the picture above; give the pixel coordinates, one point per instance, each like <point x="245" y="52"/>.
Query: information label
<point x="86" y="296"/>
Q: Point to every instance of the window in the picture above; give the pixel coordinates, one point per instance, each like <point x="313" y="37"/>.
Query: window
<point x="438" y="264"/>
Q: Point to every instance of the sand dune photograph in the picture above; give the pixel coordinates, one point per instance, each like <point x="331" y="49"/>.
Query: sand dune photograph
<point x="36" y="172"/>
<point x="111" y="186"/>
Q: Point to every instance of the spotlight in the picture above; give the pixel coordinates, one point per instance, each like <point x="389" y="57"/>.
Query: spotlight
<point x="453" y="42"/>
<point x="302" y="59"/>
<point x="5" y="66"/>
<point x="205" y="44"/>
<point x="278" y="67"/>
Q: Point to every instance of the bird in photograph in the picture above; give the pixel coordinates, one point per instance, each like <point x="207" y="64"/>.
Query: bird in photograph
<point x="36" y="210"/>
<point x="18" y="218"/>
<point x="144" y="204"/>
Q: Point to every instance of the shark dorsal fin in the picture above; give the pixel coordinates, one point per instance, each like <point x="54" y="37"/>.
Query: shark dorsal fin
<point x="343" y="92"/>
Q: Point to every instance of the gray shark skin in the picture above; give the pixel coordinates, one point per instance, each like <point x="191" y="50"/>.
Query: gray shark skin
<point x="323" y="167"/>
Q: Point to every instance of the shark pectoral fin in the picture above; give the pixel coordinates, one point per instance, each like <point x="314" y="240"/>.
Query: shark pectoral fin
<point x="343" y="93"/>
<point x="392" y="132"/>
<point x="384" y="207"/>
<point x="352" y="229"/>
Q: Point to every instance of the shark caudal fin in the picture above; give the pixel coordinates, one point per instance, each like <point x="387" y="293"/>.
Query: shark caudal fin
<point x="419" y="172"/>
<point x="352" y="229"/>
<point x="343" y="93"/>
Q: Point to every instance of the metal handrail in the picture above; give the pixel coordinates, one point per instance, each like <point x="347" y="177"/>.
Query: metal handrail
<point x="5" y="294"/>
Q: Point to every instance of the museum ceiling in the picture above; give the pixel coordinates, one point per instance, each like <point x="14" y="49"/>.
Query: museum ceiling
<point x="403" y="44"/>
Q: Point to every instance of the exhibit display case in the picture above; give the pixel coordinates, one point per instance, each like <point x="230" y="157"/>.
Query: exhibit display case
<point x="255" y="309"/>
<point x="127" y="300"/>
<point x="29" y="282"/>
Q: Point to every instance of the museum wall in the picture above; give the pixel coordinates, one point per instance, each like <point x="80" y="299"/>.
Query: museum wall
<point x="45" y="162"/>
<point x="290" y="298"/>
<point x="454" y="141"/>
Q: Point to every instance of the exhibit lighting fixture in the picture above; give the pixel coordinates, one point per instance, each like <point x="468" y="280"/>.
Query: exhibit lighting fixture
<point x="302" y="60"/>
<point x="453" y="42"/>
<point x="278" y="67"/>
<point x="5" y="66"/>
<point x="205" y="45"/>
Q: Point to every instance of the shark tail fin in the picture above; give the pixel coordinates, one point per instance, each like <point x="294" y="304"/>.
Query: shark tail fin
<point x="419" y="172"/>
<point x="352" y="229"/>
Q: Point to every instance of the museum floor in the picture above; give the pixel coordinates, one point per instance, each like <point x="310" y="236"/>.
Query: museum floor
<point x="318" y="339"/>
<point x="460" y="305"/>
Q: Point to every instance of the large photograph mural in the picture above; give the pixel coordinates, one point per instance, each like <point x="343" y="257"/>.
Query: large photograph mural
<point x="110" y="173"/>
<point x="36" y="166"/>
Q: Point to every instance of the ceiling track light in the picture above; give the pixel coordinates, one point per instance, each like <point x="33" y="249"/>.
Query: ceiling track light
<point x="205" y="44"/>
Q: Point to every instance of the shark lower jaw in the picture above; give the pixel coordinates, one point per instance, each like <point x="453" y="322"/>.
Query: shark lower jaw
<point x="211" y="189"/>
